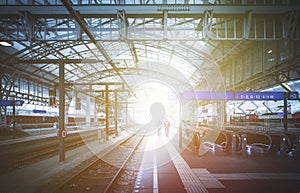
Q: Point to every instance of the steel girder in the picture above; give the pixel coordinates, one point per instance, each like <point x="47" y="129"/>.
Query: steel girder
<point x="270" y="79"/>
<point x="132" y="24"/>
<point x="99" y="46"/>
<point x="144" y="10"/>
<point x="262" y="65"/>
<point x="150" y="22"/>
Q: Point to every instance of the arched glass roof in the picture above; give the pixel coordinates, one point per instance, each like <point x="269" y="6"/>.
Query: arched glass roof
<point x="121" y="41"/>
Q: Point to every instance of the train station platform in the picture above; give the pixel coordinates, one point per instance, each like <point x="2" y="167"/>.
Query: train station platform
<point x="218" y="172"/>
<point x="165" y="168"/>
<point x="46" y="175"/>
<point x="43" y="133"/>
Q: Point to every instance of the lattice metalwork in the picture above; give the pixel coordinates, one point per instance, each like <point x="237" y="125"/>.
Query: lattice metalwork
<point x="199" y="38"/>
<point x="107" y="23"/>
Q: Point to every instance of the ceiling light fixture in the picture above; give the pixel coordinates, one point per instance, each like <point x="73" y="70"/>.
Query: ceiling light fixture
<point x="6" y="43"/>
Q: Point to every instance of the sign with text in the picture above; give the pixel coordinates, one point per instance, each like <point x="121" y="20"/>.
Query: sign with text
<point x="239" y="95"/>
<point x="11" y="102"/>
<point x="39" y="111"/>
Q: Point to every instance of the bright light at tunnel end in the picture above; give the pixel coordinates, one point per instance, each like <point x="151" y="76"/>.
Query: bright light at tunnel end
<point x="166" y="85"/>
<point x="148" y="93"/>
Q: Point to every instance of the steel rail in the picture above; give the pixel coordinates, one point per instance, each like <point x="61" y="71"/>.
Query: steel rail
<point x="108" y="187"/>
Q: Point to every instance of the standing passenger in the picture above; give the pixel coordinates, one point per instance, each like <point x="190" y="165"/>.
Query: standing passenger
<point x="167" y="127"/>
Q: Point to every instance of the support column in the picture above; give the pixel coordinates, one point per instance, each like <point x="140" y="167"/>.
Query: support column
<point x="95" y="111"/>
<point x="285" y="113"/>
<point x="165" y="24"/>
<point x="126" y="115"/>
<point x="244" y="144"/>
<point x="14" y="117"/>
<point x="106" y="113"/>
<point x="88" y="110"/>
<point x="61" y="125"/>
<point x="181" y="118"/>
<point x="28" y="90"/>
<point x="233" y="144"/>
<point x="116" y="114"/>
<point x="221" y="113"/>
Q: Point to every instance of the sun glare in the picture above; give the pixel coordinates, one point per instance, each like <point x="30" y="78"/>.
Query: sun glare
<point x="148" y="93"/>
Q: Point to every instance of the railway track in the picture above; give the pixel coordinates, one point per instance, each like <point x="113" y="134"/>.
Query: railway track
<point x="19" y="155"/>
<point x="112" y="173"/>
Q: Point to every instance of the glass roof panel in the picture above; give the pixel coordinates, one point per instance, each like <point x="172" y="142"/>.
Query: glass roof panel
<point x="79" y="48"/>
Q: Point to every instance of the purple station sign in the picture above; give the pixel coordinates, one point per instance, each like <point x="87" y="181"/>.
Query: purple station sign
<point x="239" y="95"/>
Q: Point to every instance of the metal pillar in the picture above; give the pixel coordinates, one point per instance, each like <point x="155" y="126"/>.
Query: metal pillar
<point x="14" y="118"/>
<point x="180" y="126"/>
<point x="62" y="131"/>
<point x="244" y="144"/>
<point x="285" y="113"/>
<point x="165" y="24"/>
<point x="88" y="110"/>
<point x="233" y="144"/>
<point x="126" y="116"/>
<point x="95" y="111"/>
<point x="283" y="146"/>
<point x="221" y="112"/>
<point x="116" y="114"/>
<point x="123" y="24"/>
<point x="106" y="113"/>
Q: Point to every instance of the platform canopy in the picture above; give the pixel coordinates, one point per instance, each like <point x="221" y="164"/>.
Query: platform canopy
<point x="184" y="43"/>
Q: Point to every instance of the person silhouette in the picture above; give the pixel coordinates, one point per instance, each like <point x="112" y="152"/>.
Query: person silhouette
<point x="167" y="127"/>
<point x="158" y="113"/>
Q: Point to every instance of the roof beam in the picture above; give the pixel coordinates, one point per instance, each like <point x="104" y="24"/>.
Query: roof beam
<point x="123" y="25"/>
<point x="92" y="83"/>
<point x="97" y="44"/>
<point x="103" y="90"/>
<point x="57" y="61"/>
<point x="151" y="11"/>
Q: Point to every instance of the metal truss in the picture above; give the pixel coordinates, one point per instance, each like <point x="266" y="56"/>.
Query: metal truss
<point x="5" y="94"/>
<point x="168" y="33"/>
<point x="151" y="22"/>
<point x="146" y="2"/>
<point x="268" y="80"/>
<point x="259" y="68"/>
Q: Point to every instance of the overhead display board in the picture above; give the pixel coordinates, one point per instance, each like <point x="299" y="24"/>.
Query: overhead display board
<point x="240" y="95"/>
